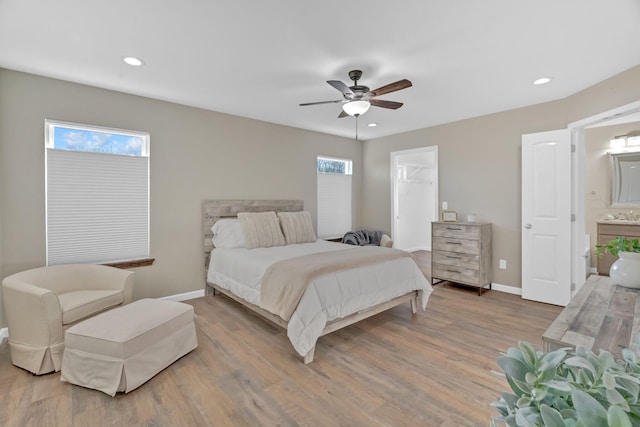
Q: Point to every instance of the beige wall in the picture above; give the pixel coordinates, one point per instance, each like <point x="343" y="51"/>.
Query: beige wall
<point x="198" y="154"/>
<point x="195" y="154"/>
<point x="480" y="163"/>
<point x="597" y="184"/>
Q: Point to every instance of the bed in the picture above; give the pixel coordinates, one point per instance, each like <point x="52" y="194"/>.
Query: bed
<point x="328" y="285"/>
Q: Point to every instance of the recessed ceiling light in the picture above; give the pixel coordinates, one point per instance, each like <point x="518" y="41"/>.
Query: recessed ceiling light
<point x="372" y="125"/>
<point x="542" y="80"/>
<point x="133" y="61"/>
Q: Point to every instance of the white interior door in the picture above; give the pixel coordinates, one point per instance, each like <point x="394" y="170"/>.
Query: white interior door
<point x="546" y="217"/>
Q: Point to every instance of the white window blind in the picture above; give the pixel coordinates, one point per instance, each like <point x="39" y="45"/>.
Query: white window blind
<point x="97" y="203"/>
<point x="334" y="204"/>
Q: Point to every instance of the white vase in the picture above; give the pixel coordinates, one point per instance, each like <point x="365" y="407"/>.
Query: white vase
<point x="625" y="271"/>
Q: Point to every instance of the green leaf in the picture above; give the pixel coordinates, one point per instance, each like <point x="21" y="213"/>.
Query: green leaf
<point x="631" y="388"/>
<point x="539" y="393"/>
<point x="528" y="353"/>
<point x="629" y="356"/>
<point x="547" y="373"/>
<point x="608" y="380"/>
<point x="554" y="358"/>
<point x="513" y="367"/>
<point x="584" y="379"/>
<point x="518" y="387"/>
<point x="511" y="421"/>
<point x="559" y="385"/>
<point x="606" y="360"/>
<point x="615" y="398"/>
<point x="515" y="353"/>
<point x="580" y="362"/>
<point x="526" y="417"/>
<point x="617" y="417"/>
<point x="551" y="417"/>
<point x="589" y="409"/>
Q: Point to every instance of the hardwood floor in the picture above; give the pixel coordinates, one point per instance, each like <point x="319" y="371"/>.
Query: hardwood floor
<point x="436" y="368"/>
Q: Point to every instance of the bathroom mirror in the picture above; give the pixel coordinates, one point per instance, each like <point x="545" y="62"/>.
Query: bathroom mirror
<point x="625" y="179"/>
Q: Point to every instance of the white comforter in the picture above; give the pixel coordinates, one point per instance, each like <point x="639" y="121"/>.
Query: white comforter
<point x="328" y="297"/>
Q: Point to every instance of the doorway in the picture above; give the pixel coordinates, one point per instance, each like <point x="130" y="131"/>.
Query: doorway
<point x="626" y="113"/>
<point x="577" y="165"/>
<point x="414" y="205"/>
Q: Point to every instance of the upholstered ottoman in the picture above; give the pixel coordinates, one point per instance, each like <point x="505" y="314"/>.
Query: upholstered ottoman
<point x="121" y="349"/>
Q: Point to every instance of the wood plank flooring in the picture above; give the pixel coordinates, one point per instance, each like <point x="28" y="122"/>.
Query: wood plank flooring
<point x="394" y="369"/>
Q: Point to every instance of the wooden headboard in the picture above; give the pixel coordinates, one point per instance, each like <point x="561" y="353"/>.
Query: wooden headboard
<point x="213" y="210"/>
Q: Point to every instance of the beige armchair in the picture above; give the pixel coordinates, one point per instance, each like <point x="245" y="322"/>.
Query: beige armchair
<point x="41" y="303"/>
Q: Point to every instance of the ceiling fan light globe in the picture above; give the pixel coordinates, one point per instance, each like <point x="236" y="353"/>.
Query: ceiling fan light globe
<point x="356" y="108"/>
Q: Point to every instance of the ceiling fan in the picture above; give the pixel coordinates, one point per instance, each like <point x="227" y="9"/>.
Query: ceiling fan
<point x="358" y="98"/>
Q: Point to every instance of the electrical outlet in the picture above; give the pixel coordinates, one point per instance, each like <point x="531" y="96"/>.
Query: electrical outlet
<point x="445" y="206"/>
<point x="503" y="264"/>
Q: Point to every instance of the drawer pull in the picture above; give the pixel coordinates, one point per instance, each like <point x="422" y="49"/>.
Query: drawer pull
<point x="453" y="271"/>
<point x="454" y="257"/>
<point x="454" y="243"/>
<point x="454" y="228"/>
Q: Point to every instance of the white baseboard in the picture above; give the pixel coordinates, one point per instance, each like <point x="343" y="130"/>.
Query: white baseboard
<point x="4" y="333"/>
<point x="507" y="289"/>
<point x="185" y="296"/>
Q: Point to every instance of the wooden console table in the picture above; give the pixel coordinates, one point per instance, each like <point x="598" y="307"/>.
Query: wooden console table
<point x="601" y="315"/>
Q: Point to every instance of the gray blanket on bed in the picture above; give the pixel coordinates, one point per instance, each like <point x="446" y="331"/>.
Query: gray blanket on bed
<point x="363" y="238"/>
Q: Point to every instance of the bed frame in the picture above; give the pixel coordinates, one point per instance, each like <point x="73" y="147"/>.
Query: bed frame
<point x="213" y="210"/>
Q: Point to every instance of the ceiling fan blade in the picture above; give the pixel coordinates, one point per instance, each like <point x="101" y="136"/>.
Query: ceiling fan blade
<point x="341" y="87"/>
<point x="342" y="114"/>
<point x="321" y="102"/>
<point x="385" y="104"/>
<point x="392" y="87"/>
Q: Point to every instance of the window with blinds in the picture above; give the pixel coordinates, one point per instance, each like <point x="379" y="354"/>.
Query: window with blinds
<point x="97" y="194"/>
<point x="334" y="196"/>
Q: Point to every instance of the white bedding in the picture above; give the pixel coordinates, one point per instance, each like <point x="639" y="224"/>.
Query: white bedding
<point x="328" y="297"/>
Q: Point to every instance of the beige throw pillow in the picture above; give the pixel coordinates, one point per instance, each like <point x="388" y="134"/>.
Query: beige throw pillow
<point x="297" y="227"/>
<point x="261" y="229"/>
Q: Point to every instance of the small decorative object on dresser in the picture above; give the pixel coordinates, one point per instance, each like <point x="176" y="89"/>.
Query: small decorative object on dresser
<point x="449" y="216"/>
<point x="461" y="253"/>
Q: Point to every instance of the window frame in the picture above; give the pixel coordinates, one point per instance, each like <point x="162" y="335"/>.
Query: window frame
<point x="49" y="135"/>
<point x="348" y="169"/>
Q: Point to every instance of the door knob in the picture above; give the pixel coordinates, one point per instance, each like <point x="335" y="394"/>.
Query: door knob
<point x="527" y="226"/>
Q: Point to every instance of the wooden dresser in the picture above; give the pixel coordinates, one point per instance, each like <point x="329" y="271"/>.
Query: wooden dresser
<point x="600" y="315"/>
<point x="609" y="231"/>
<point x="461" y="253"/>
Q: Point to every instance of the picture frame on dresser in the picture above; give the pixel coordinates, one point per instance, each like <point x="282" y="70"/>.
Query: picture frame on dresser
<point x="449" y="216"/>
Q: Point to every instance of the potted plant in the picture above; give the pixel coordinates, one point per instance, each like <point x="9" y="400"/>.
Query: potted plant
<point x="568" y="388"/>
<point x="625" y="270"/>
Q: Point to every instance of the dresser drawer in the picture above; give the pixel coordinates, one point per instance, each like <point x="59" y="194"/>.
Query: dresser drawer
<point x="456" y="259"/>
<point x="456" y="274"/>
<point x="450" y="244"/>
<point x="458" y="231"/>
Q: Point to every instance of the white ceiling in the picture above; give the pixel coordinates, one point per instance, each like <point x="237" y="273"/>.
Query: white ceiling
<point x="260" y="59"/>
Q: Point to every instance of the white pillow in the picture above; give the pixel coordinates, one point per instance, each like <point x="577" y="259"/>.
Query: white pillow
<point x="297" y="227"/>
<point x="261" y="229"/>
<point x="228" y="233"/>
